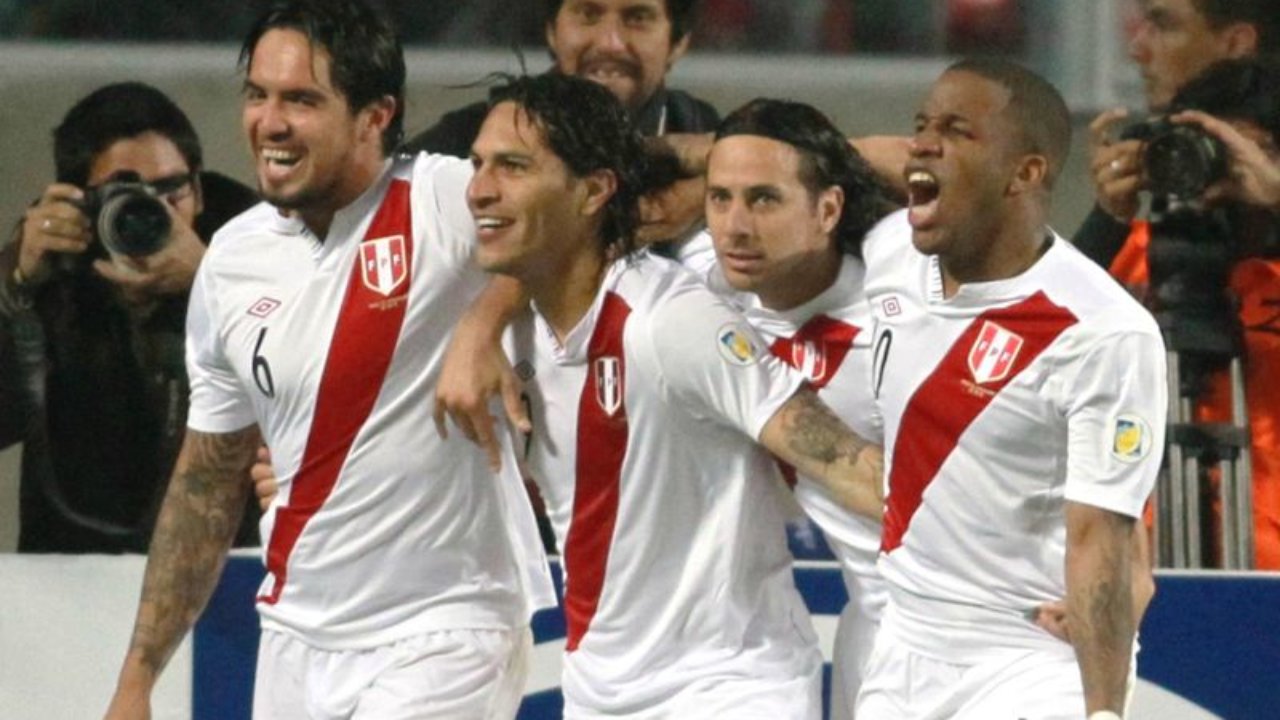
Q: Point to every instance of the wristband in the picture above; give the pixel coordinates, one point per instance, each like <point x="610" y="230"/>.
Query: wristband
<point x="1104" y="715"/>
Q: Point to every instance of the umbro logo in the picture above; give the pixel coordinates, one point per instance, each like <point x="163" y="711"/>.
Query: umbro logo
<point x="264" y="307"/>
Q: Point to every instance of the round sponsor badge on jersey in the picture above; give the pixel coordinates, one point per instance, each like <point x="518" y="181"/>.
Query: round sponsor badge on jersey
<point x="735" y="344"/>
<point x="1131" y="438"/>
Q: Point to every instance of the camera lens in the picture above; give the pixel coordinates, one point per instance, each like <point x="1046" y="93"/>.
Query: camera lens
<point x="1183" y="161"/>
<point x="133" y="222"/>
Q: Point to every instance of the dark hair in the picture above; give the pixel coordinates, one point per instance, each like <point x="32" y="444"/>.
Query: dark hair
<point x="118" y="112"/>
<point x="1263" y="15"/>
<point x="366" y="59"/>
<point x="1035" y="106"/>
<point x="1241" y="89"/>
<point x="589" y="130"/>
<point x="680" y="13"/>
<point x="826" y="159"/>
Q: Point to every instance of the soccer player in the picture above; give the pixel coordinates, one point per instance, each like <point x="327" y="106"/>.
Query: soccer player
<point x="788" y="203"/>
<point x="401" y="571"/>
<point x="647" y="394"/>
<point x="1023" y="396"/>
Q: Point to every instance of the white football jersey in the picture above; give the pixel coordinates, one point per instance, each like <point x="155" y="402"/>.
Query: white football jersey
<point x="382" y="529"/>
<point x="677" y="570"/>
<point x="1000" y="404"/>
<point x="828" y="340"/>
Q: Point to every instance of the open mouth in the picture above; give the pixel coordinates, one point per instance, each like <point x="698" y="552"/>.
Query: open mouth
<point x="487" y="225"/>
<point x="604" y="71"/>
<point x="922" y="191"/>
<point x="280" y="158"/>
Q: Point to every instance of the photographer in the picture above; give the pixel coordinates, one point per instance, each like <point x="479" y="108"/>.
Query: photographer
<point x="1176" y="40"/>
<point x="1229" y="114"/>
<point x="91" y="336"/>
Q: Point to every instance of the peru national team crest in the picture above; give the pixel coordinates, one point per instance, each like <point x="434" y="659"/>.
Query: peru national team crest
<point x="608" y="372"/>
<point x="992" y="355"/>
<point x="810" y="358"/>
<point x="382" y="264"/>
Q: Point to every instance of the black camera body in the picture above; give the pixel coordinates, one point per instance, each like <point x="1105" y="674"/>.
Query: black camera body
<point x="1180" y="160"/>
<point x="127" y="215"/>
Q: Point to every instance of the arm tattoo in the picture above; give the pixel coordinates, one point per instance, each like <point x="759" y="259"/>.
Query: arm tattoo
<point x="1100" y="605"/>
<point x="807" y="434"/>
<point x="198" y="520"/>
<point x="814" y="432"/>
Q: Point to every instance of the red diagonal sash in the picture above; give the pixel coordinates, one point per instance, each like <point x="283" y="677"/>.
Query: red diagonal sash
<point x="364" y="341"/>
<point x="949" y="400"/>
<point x="602" y="446"/>
<point x="817" y="349"/>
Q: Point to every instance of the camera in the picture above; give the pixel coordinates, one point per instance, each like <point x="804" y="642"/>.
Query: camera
<point x="1180" y="160"/>
<point x="128" y="215"/>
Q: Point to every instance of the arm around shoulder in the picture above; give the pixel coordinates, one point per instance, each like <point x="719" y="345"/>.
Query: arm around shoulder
<point x="808" y="435"/>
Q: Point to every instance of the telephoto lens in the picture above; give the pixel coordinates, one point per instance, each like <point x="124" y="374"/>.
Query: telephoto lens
<point x="133" y="222"/>
<point x="128" y="215"/>
<point x="1183" y="161"/>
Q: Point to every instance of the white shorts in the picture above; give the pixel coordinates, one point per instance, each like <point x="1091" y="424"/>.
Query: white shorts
<point x="740" y="698"/>
<point x="1018" y="684"/>
<point x="462" y="674"/>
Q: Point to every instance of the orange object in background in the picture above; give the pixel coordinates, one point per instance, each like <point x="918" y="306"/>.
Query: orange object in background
<point x="1256" y="284"/>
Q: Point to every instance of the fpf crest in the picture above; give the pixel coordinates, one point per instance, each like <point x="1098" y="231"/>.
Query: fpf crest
<point x="993" y="353"/>
<point x="608" y="372"/>
<point x="382" y="264"/>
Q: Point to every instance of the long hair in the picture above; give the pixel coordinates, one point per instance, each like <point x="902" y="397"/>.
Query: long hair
<point x="826" y="160"/>
<point x="589" y="130"/>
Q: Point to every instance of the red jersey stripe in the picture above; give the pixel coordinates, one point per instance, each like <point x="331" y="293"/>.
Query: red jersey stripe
<point x="949" y="400"/>
<point x="602" y="447"/>
<point x="817" y="349"/>
<point x="364" y="341"/>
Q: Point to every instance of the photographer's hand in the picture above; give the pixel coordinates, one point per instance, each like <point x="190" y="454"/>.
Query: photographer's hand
<point x="168" y="272"/>
<point x="1116" y="166"/>
<point x="1253" y="175"/>
<point x="672" y="212"/>
<point x="54" y="225"/>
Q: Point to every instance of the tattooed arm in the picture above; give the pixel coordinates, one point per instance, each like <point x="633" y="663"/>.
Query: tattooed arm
<point x="808" y="435"/>
<point x="1100" y="602"/>
<point x="197" y="523"/>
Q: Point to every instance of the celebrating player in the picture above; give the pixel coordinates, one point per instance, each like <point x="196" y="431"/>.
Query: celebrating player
<point x="401" y="572"/>
<point x="1023" y="397"/>
<point x="647" y="393"/>
<point x="788" y="203"/>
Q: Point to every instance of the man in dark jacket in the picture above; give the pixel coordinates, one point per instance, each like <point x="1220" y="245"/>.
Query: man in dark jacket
<point x="628" y="46"/>
<point x="92" y="380"/>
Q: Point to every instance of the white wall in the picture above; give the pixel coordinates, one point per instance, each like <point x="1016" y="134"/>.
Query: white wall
<point x="65" y="623"/>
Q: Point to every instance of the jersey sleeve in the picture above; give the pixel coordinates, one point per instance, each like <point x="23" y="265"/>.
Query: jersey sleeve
<point x="716" y="364"/>
<point x="1116" y="401"/>
<point x="219" y="402"/>
<point x="440" y="187"/>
